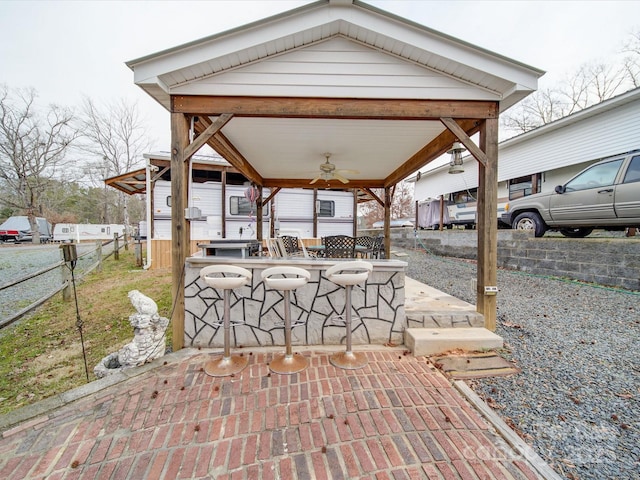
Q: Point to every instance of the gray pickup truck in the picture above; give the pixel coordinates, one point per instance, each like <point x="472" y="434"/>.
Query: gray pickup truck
<point x="604" y="195"/>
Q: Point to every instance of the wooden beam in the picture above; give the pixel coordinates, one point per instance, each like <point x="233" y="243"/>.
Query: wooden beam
<point x="374" y="196"/>
<point x="330" y="184"/>
<point x="179" y="225"/>
<point x="429" y="152"/>
<point x="230" y="153"/>
<point x="478" y="154"/>
<point x="212" y="129"/>
<point x="346" y="108"/>
<point x="273" y="193"/>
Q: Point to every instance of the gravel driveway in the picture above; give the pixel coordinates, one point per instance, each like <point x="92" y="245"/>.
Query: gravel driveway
<point x="577" y="398"/>
<point x="19" y="260"/>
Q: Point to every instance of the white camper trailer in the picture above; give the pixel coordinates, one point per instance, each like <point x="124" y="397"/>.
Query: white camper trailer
<point x="82" y="232"/>
<point x="291" y="210"/>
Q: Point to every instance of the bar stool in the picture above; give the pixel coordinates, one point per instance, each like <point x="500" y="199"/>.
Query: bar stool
<point x="285" y="279"/>
<point x="213" y="276"/>
<point x="348" y="274"/>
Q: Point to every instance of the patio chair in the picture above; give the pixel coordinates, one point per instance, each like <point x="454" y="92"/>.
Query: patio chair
<point x="366" y="242"/>
<point x="293" y="247"/>
<point x="377" y="251"/>
<point x="339" y="246"/>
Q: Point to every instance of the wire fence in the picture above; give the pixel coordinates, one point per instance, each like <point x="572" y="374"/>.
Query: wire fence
<point x="27" y="291"/>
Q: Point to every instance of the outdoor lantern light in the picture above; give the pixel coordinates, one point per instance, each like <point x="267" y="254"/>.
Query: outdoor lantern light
<point x="456" y="157"/>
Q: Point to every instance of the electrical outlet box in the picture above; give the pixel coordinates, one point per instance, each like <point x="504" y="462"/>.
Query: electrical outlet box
<point x="192" y="213"/>
<point x="490" y="290"/>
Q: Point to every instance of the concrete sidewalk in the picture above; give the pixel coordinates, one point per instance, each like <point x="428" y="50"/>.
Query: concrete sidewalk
<point x="397" y="418"/>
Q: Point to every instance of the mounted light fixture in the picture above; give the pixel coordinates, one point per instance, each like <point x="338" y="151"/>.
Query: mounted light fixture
<point x="456" y="157"/>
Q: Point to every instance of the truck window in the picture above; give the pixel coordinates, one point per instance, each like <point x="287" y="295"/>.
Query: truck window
<point x="633" y="173"/>
<point x="601" y="175"/>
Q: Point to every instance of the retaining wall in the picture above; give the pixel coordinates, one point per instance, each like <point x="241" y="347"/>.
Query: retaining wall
<point x="605" y="261"/>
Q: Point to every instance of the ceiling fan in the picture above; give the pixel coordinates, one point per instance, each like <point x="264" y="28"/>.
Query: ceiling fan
<point x="328" y="172"/>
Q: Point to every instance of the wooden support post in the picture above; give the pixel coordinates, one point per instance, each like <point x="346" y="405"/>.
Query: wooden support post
<point x="179" y="233"/>
<point x="487" y="223"/>
<point x="355" y="212"/>
<point x="259" y="220"/>
<point x="388" y="197"/>
<point x="116" y="247"/>
<point x="223" y="204"/>
<point x="441" y="212"/>
<point x="315" y="213"/>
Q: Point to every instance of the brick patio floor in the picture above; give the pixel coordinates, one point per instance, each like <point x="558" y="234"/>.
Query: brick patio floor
<point x="397" y="418"/>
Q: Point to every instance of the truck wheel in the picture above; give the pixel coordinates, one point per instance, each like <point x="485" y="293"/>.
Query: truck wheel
<point x="530" y="221"/>
<point x="576" y="232"/>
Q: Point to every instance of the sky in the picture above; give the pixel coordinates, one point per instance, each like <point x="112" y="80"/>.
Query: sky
<point x="69" y="49"/>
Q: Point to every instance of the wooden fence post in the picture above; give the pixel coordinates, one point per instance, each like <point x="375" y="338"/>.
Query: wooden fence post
<point x="66" y="279"/>
<point x="116" y="248"/>
<point x="99" y="255"/>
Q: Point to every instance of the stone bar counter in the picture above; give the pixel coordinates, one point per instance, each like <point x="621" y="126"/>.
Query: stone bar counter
<point x="379" y="304"/>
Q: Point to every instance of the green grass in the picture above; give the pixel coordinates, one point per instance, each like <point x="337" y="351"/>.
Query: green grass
<point x="41" y="355"/>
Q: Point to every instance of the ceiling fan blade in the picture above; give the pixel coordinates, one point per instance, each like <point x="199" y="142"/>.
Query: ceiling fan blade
<point x="348" y="172"/>
<point x="314" y="180"/>
<point x="340" y="177"/>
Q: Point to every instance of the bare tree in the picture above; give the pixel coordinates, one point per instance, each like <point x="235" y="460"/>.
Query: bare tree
<point x="115" y="137"/>
<point x="33" y="150"/>
<point x="401" y="205"/>
<point x="632" y="59"/>
<point x="591" y="83"/>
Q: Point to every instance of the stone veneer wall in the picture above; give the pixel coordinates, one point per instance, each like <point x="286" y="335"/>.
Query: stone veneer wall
<point x="379" y="303"/>
<point x="606" y="261"/>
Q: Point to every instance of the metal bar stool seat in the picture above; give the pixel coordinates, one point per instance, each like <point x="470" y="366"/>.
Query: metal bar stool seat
<point x="285" y="279"/>
<point x="226" y="278"/>
<point x="348" y="274"/>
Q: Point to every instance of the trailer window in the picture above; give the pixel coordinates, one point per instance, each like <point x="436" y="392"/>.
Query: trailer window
<point x="465" y="196"/>
<point x="326" y="208"/>
<point x="523" y="186"/>
<point x="242" y="206"/>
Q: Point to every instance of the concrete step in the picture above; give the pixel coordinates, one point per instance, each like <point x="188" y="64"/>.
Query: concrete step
<point x="427" y="307"/>
<point x="433" y="341"/>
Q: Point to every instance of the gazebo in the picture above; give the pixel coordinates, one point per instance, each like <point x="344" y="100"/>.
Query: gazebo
<point x="381" y="95"/>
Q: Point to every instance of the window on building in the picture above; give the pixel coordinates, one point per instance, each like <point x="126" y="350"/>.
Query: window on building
<point x="242" y="206"/>
<point x="523" y="186"/>
<point x="326" y="208"/>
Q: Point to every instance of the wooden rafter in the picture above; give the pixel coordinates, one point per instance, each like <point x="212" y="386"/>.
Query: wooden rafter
<point x="213" y="128"/>
<point x="430" y="152"/>
<point x="330" y="184"/>
<point x="345" y="108"/>
<point x="373" y="195"/>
